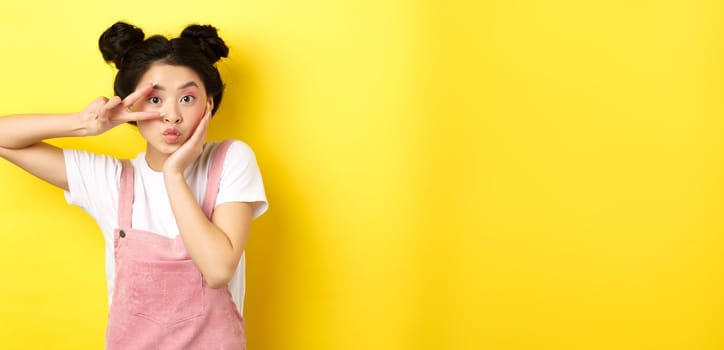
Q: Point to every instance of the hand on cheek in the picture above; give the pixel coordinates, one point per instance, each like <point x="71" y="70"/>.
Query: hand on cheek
<point x="191" y="149"/>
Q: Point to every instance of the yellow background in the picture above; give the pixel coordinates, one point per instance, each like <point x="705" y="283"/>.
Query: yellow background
<point x="511" y="174"/>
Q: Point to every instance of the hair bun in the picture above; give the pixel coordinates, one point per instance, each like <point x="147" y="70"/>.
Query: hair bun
<point x="117" y="40"/>
<point x="208" y="39"/>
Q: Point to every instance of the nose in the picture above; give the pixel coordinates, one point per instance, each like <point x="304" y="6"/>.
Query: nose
<point x="172" y="117"/>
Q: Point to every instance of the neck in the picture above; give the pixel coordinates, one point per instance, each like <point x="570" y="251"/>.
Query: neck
<point x="155" y="159"/>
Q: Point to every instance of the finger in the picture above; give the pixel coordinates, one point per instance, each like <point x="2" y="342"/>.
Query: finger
<point x="109" y="105"/>
<point x="140" y="93"/>
<point x="201" y="127"/>
<point x="94" y="107"/>
<point x="200" y="132"/>
<point x="100" y="100"/>
<point x="138" y="116"/>
<point x="112" y="103"/>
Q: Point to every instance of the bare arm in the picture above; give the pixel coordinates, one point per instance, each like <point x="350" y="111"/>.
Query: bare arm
<point x="214" y="245"/>
<point x="20" y="143"/>
<point x="22" y="136"/>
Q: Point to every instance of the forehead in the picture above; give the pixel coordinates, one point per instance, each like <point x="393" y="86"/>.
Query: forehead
<point x="170" y="76"/>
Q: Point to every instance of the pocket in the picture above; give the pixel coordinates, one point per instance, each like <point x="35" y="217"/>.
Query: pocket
<point x="166" y="292"/>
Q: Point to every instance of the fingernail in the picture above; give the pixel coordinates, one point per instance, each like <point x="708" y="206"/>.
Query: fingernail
<point x="163" y="114"/>
<point x="154" y="84"/>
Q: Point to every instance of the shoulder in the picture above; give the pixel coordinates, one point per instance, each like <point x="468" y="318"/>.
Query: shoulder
<point x="239" y="163"/>
<point x="88" y="175"/>
<point x="84" y="161"/>
<point x="86" y="155"/>
<point x="236" y="147"/>
<point x="238" y="152"/>
<point x="241" y="179"/>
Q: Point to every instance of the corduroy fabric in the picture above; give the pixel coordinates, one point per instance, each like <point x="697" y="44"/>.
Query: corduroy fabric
<point x="162" y="300"/>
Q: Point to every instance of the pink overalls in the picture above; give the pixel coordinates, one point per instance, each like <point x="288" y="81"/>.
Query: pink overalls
<point x="161" y="300"/>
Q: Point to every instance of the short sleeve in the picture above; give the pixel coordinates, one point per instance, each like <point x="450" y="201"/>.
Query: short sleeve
<point x="241" y="179"/>
<point x="93" y="184"/>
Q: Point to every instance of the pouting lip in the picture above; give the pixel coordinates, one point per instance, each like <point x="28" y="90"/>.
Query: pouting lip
<point x="171" y="131"/>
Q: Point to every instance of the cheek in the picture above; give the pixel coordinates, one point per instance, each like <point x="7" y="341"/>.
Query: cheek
<point x="197" y="112"/>
<point x="145" y="126"/>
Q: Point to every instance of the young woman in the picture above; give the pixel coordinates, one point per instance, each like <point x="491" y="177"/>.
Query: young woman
<point x="176" y="218"/>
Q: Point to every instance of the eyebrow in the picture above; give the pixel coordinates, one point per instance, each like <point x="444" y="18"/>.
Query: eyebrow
<point x="189" y="84"/>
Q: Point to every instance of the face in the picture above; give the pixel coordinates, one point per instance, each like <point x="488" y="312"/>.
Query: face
<point x="181" y="96"/>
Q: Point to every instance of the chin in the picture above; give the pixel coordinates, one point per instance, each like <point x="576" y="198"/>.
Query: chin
<point x="167" y="148"/>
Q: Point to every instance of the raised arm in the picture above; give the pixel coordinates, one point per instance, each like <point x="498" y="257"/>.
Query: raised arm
<point x="214" y="245"/>
<point x="22" y="136"/>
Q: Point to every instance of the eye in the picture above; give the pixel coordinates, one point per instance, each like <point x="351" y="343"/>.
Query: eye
<point x="154" y="100"/>
<point x="187" y="99"/>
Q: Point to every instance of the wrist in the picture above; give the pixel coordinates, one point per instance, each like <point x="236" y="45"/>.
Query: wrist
<point x="80" y="124"/>
<point x="174" y="180"/>
<point x="171" y="174"/>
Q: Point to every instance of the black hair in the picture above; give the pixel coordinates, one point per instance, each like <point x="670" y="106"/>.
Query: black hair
<point x="198" y="48"/>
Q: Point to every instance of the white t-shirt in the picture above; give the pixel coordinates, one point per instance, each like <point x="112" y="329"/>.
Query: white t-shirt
<point x="93" y="182"/>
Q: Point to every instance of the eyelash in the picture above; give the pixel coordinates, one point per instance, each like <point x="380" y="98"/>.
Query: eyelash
<point x="156" y="100"/>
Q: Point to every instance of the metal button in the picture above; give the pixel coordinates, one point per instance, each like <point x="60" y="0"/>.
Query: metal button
<point x="122" y="234"/>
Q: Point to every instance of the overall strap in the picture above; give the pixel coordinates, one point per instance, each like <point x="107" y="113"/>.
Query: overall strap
<point x="214" y="177"/>
<point x="125" y="195"/>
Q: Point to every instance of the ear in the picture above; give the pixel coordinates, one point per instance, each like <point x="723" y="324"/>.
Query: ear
<point x="210" y="104"/>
